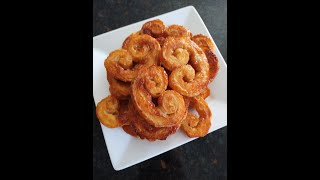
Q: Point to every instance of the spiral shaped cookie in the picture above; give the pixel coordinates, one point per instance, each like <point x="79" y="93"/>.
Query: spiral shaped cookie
<point x="158" y="74"/>
<point x="177" y="52"/>
<point x="147" y="131"/>
<point x="108" y="111"/>
<point x="194" y="126"/>
<point x="119" y="64"/>
<point x="141" y="49"/>
<point x="152" y="83"/>
<point x="154" y="28"/>
<point x="178" y="31"/>
<point x="187" y="79"/>
<point x="128" y="39"/>
<point x="144" y="49"/>
<point x="205" y="43"/>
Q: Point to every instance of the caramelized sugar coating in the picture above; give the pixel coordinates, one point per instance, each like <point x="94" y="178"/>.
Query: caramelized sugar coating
<point x="130" y="130"/>
<point x="190" y="79"/>
<point x="188" y="65"/>
<point x="152" y="83"/>
<point x="140" y="49"/>
<point x="161" y="40"/>
<point x="154" y="28"/>
<point x="117" y="88"/>
<point x="108" y="111"/>
<point x="205" y="93"/>
<point x="123" y="116"/>
<point x="119" y="64"/>
<point x="159" y="31"/>
<point x="187" y="101"/>
<point x="177" y="52"/>
<point x="128" y="39"/>
<point x="178" y="31"/>
<point x="144" y="130"/>
<point x="205" y="43"/>
<point x="144" y="49"/>
<point x="194" y="126"/>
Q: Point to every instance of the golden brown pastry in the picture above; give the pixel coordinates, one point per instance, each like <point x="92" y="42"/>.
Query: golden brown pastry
<point x="117" y="88"/>
<point x="152" y="83"/>
<point x="154" y="28"/>
<point x="145" y="130"/>
<point x="144" y="49"/>
<point x="123" y="116"/>
<point x="186" y="101"/>
<point x="108" y="111"/>
<point x="194" y="126"/>
<point x="205" y="93"/>
<point x="119" y="64"/>
<point x="161" y="40"/>
<point x="157" y="75"/>
<point x="141" y="49"/>
<point x="205" y="43"/>
<point x="177" y="52"/>
<point x="130" y="130"/>
<point x="189" y="79"/>
<point x="178" y="31"/>
<point x="128" y="39"/>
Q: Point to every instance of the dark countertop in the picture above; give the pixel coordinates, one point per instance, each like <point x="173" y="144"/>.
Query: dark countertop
<point x="204" y="158"/>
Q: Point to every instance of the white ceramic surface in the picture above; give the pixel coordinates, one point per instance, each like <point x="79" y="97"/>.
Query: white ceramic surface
<point x="125" y="150"/>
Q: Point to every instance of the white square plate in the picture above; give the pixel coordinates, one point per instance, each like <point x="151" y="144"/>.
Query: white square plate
<point x="125" y="150"/>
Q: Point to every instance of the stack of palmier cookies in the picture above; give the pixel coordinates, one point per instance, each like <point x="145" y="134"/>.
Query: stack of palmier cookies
<point x="155" y="78"/>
